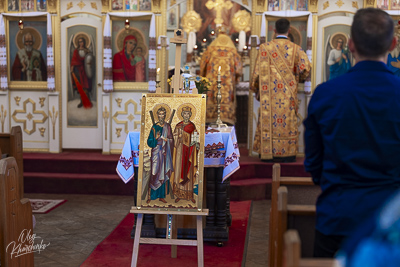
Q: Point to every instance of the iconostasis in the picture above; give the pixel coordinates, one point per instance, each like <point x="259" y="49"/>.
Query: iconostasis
<point x="72" y="73"/>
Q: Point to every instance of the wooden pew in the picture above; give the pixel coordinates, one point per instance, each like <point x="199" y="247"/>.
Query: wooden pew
<point x="302" y="191"/>
<point x="299" y="217"/>
<point x="292" y="253"/>
<point x="15" y="216"/>
<point x="11" y="146"/>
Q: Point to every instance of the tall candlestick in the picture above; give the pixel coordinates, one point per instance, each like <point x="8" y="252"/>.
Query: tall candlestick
<point x="245" y="51"/>
<point x="195" y="53"/>
<point x="203" y="46"/>
<point x="218" y="123"/>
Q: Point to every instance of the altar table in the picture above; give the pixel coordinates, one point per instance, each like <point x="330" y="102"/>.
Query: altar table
<point x="220" y="150"/>
<point x="221" y="160"/>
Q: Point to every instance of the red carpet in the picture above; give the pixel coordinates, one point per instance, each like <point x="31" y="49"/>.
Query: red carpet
<point x="116" y="249"/>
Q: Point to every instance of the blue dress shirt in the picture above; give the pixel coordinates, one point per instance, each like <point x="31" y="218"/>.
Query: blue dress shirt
<point x="352" y="145"/>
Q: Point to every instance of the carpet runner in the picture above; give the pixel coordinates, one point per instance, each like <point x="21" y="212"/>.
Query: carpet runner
<point x="116" y="249"/>
<point x="45" y="205"/>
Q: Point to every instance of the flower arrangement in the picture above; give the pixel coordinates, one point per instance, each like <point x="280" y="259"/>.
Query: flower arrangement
<point x="202" y="84"/>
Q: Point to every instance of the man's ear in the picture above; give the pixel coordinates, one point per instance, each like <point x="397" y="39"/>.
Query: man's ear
<point x="394" y="43"/>
<point x="352" y="47"/>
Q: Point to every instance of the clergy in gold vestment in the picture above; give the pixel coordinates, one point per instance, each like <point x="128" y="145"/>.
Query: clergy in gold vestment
<point x="221" y="52"/>
<point x="279" y="67"/>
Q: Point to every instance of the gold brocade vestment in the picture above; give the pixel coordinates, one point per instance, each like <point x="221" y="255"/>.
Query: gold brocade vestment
<point x="279" y="67"/>
<point x="221" y="52"/>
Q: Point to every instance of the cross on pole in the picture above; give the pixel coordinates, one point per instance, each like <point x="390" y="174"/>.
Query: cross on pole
<point x="218" y="5"/>
<point x="178" y="39"/>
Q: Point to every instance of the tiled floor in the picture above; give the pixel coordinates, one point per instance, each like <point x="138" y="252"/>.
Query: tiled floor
<point x="74" y="229"/>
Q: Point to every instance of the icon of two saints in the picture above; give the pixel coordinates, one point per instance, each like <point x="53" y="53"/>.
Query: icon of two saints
<point x="171" y="164"/>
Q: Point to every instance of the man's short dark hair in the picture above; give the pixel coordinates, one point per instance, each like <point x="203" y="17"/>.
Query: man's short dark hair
<point x="282" y="26"/>
<point x="372" y="32"/>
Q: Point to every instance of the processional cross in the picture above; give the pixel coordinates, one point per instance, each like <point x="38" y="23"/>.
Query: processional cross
<point x="177" y="83"/>
<point x="218" y="5"/>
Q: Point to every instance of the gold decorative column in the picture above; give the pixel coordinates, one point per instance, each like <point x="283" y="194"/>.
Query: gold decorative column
<point x="313" y="6"/>
<point x="53" y="116"/>
<point x="106" y="116"/>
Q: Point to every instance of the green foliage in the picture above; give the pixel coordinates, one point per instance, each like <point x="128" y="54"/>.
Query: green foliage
<point x="202" y="84"/>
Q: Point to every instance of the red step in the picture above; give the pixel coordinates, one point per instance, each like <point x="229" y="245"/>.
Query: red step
<point x="91" y="172"/>
<point x="250" y="189"/>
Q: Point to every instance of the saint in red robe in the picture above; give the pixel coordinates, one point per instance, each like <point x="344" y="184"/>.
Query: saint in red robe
<point x="78" y="62"/>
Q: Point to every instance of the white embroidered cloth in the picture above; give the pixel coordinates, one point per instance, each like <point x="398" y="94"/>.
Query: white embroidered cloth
<point x="221" y="150"/>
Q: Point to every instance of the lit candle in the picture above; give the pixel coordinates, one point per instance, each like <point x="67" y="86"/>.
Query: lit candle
<point x="127" y="24"/>
<point x="204" y="40"/>
<point x="245" y="53"/>
<point x="219" y="73"/>
<point x="212" y="33"/>
<point x="158" y="75"/>
<point x="195" y="47"/>
<point x="237" y="40"/>
<point x="21" y="24"/>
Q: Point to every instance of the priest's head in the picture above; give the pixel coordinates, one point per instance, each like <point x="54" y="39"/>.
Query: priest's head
<point x="221" y="29"/>
<point x="282" y="26"/>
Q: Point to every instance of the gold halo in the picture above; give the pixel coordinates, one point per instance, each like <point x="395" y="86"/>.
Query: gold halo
<point x="83" y="35"/>
<point x="241" y="21"/>
<point x="191" y="21"/>
<point x="335" y="37"/>
<point x="295" y="33"/>
<point x="157" y="107"/>
<point x="119" y="40"/>
<point x="36" y="35"/>
<point x="186" y="105"/>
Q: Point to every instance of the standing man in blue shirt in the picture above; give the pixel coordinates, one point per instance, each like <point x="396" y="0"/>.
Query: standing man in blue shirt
<point x="352" y="134"/>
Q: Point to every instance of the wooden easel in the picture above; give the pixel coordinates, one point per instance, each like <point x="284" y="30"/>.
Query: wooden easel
<point x="177" y="83"/>
<point x="170" y="236"/>
<point x="171" y="229"/>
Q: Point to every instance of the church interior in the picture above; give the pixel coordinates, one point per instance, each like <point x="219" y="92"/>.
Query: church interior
<point x="74" y="76"/>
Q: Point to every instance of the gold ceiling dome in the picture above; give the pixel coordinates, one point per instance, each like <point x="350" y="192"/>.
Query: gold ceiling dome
<point x="191" y="21"/>
<point x="241" y="21"/>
